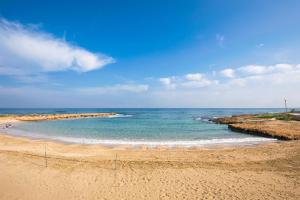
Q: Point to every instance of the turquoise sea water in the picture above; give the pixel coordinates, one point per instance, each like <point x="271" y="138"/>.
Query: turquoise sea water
<point x="153" y="127"/>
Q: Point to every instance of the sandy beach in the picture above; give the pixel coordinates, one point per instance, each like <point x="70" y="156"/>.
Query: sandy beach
<point x="149" y="100"/>
<point x="73" y="171"/>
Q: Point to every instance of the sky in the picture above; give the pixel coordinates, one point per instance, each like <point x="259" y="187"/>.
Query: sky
<point x="151" y="54"/>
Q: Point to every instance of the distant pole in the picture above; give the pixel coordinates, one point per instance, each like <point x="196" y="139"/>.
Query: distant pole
<point x="285" y="105"/>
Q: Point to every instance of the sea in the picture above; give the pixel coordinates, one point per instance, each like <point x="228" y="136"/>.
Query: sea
<point x="169" y="127"/>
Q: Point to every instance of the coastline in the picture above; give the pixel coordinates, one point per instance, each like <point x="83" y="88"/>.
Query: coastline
<point x="204" y="143"/>
<point x="59" y="148"/>
<point x="7" y="122"/>
<point x="97" y="172"/>
<point x="48" y="169"/>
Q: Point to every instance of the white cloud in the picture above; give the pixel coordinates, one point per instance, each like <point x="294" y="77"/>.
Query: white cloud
<point x="130" y="88"/>
<point x="197" y="80"/>
<point x="229" y="73"/>
<point x="168" y="82"/>
<point x="165" y="81"/>
<point x="246" y="89"/>
<point x="248" y="86"/>
<point x="194" y="77"/>
<point x="261" y="69"/>
<point x="254" y="69"/>
<point x="244" y="76"/>
<point x="198" y="84"/>
<point x="265" y="86"/>
<point x="25" y="51"/>
<point x="283" y="67"/>
<point x="188" y="81"/>
<point x="262" y="75"/>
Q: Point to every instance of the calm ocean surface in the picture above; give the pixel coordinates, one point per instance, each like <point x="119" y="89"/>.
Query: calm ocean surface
<point x="153" y="127"/>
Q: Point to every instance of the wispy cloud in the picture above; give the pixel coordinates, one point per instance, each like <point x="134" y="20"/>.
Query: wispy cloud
<point x="260" y="45"/>
<point x="254" y="69"/>
<point x="220" y="40"/>
<point x="249" y="75"/>
<point x="188" y="81"/>
<point x="229" y="73"/>
<point x="244" y="86"/>
<point x="248" y="88"/>
<point x="263" y="69"/>
<point x="119" y="88"/>
<point x="168" y="82"/>
<point x="26" y="50"/>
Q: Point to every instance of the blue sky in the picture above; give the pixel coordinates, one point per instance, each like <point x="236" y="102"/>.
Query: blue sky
<point x="149" y="53"/>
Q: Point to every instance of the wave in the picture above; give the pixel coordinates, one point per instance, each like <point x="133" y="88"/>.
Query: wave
<point x="167" y="143"/>
<point x="120" y="115"/>
<point x="204" y="118"/>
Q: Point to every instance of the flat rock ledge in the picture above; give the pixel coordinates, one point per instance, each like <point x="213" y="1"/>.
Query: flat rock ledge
<point x="233" y="119"/>
<point x="282" y="130"/>
<point x="267" y="127"/>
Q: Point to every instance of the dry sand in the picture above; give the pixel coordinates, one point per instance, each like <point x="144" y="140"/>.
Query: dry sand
<point x="269" y="171"/>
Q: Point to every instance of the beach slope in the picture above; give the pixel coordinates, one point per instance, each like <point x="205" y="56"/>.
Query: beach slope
<point x="69" y="171"/>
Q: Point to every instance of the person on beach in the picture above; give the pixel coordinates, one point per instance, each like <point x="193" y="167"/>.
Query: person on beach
<point x="7" y="126"/>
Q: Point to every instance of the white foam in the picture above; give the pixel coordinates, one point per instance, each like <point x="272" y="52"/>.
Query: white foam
<point x="168" y="143"/>
<point x="119" y="115"/>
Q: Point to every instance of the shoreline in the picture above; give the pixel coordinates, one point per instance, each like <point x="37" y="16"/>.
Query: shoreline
<point x="137" y="144"/>
<point x="7" y="122"/>
<point x="14" y="143"/>
<point x="234" y="123"/>
<point x="209" y="143"/>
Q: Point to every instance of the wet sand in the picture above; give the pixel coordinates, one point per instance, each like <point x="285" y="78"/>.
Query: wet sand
<point x="73" y="171"/>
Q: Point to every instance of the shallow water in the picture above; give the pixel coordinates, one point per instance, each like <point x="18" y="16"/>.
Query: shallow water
<point x="153" y="127"/>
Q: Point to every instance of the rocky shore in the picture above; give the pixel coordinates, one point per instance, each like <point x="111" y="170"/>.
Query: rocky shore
<point x="42" y="117"/>
<point x="283" y="126"/>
